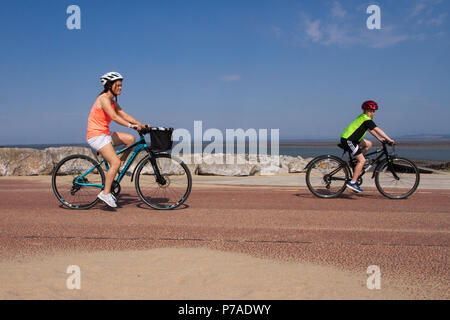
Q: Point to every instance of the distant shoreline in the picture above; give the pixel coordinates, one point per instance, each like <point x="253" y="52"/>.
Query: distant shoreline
<point x="283" y="143"/>
<point x="401" y="144"/>
<point x="424" y="152"/>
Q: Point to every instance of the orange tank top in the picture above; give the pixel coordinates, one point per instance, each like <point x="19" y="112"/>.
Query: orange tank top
<point x="98" y="122"/>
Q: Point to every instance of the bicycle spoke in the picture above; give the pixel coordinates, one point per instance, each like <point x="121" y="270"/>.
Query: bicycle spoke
<point x="397" y="179"/>
<point x="163" y="195"/>
<point x="77" y="195"/>
<point x="326" y="177"/>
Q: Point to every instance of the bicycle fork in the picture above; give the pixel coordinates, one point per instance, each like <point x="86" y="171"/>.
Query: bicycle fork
<point x="159" y="178"/>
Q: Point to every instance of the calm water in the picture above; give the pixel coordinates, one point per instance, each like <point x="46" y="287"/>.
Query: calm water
<point x="438" y="154"/>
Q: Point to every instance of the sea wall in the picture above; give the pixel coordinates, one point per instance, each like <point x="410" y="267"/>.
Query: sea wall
<point x="29" y="162"/>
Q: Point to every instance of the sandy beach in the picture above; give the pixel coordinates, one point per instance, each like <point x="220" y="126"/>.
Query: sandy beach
<point x="182" y="273"/>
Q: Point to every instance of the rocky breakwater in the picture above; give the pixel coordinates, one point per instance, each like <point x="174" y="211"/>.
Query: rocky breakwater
<point x="243" y="165"/>
<point x="28" y="162"/>
<point x="31" y="162"/>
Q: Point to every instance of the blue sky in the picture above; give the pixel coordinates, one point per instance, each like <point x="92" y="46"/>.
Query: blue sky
<point x="303" y="67"/>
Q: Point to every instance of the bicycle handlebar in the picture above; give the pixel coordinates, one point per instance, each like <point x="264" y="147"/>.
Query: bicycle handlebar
<point x="143" y="131"/>
<point x="148" y="129"/>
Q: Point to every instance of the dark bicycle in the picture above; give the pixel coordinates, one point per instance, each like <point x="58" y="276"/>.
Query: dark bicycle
<point x="395" y="177"/>
<point x="162" y="181"/>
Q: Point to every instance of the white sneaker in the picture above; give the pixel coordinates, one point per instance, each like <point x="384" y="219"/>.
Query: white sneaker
<point x="108" y="199"/>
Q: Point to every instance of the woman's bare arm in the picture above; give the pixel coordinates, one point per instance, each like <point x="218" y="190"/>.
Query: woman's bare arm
<point x="106" y="105"/>
<point x="127" y="117"/>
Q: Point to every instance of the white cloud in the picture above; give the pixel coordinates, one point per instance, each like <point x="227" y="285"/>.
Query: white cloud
<point x="387" y="37"/>
<point x="387" y="40"/>
<point x="337" y="11"/>
<point x="437" y="21"/>
<point x="231" y="77"/>
<point x="418" y="8"/>
<point x="339" y="35"/>
<point x="313" y="30"/>
<point x="423" y="10"/>
<point x="333" y="30"/>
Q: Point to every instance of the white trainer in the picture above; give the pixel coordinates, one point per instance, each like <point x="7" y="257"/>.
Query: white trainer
<point x="108" y="199"/>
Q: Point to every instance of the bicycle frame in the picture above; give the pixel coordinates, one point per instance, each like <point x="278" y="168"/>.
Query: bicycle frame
<point x="138" y="147"/>
<point x="378" y="161"/>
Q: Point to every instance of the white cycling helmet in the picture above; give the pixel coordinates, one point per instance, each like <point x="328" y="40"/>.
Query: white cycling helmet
<point x="110" y="76"/>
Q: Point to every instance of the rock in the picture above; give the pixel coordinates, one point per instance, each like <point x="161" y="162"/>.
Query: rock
<point x="189" y="161"/>
<point x="57" y="154"/>
<point x="443" y="166"/>
<point x="19" y="161"/>
<point x="285" y="161"/>
<point x="269" y="165"/>
<point x="24" y="162"/>
<point x="226" y="165"/>
<point x="75" y="166"/>
<point x="298" y="165"/>
<point x="227" y="169"/>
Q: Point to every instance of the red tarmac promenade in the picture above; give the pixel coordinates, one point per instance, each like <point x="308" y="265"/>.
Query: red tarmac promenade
<point x="408" y="239"/>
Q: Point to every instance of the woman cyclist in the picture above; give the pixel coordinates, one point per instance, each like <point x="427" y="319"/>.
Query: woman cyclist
<point x="105" y="110"/>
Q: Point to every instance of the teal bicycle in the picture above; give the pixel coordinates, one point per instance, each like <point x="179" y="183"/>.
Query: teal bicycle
<point x="162" y="181"/>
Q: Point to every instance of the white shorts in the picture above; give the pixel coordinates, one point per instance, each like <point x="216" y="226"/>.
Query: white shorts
<point x="99" y="142"/>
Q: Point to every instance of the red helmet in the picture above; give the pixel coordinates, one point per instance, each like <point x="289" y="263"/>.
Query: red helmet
<point x="370" y="105"/>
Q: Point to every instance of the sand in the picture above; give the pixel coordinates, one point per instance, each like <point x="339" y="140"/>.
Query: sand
<point x="182" y="273"/>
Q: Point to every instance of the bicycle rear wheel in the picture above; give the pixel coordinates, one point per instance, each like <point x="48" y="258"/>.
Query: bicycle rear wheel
<point x="326" y="176"/>
<point x="72" y="187"/>
<point x="397" y="179"/>
<point x="167" y="190"/>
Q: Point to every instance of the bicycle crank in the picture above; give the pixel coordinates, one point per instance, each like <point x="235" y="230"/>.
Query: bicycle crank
<point x="115" y="188"/>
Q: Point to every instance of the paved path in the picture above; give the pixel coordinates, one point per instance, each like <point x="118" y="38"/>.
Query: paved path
<point x="427" y="181"/>
<point x="408" y="239"/>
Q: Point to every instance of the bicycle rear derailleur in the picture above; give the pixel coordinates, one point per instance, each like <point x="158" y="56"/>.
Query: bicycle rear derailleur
<point x="76" y="185"/>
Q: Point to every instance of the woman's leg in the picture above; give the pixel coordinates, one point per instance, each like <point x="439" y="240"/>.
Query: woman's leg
<point x="120" y="138"/>
<point x="109" y="154"/>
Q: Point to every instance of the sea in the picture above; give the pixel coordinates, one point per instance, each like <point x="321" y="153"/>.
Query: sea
<point x="435" y="152"/>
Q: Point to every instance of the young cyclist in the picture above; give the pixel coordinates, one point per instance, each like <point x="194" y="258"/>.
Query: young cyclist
<point x="353" y="140"/>
<point x="105" y="110"/>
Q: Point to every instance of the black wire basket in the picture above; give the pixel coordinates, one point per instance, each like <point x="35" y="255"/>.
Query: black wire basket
<point x="161" y="138"/>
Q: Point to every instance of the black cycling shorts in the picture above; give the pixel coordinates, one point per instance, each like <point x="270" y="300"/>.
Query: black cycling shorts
<point x="353" y="147"/>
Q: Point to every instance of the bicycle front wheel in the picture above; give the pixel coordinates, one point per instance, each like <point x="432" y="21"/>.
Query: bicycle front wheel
<point x="397" y="179"/>
<point x="77" y="180"/>
<point x="327" y="176"/>
<point x="167" y="189"/>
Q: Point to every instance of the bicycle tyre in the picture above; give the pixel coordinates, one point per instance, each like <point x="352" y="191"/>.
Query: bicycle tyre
<point x="65" y="190"/>
<point x="177" y="174"/>
<point x="409" y="178"/>
<point x="316" y="180"/>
